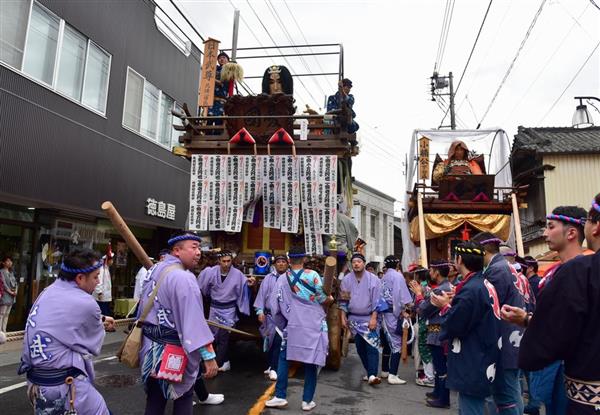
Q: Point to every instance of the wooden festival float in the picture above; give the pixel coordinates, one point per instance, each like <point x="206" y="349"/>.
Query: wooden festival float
<point x="264" y="178"/>
<point x="447" y="203"/>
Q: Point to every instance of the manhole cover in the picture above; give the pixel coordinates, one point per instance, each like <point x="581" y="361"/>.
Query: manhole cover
<point x="117" y="381"/>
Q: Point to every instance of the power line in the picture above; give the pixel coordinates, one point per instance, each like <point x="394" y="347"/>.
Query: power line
<point x="570" y="83"/>
<point x="279" y="21"/>
<point x="447" y="32"/>
<point x="285" y="59"/>
<point x="470" y="55"/>
<point x="440" y="41"/>
<point x="488" y="50"/>
<point x="447" y="19"/>
<point x="512" y="64"/>
<point x="545" y="65"/>
<point x="257" y="39"/>
<point x="595" y="5"/>
<point x="307" y="43"/>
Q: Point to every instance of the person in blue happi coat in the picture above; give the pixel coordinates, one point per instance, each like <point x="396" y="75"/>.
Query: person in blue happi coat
<point x="472" y="330"/>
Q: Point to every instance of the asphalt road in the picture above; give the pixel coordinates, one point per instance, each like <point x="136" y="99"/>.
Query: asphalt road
<point x="341" y="392"/>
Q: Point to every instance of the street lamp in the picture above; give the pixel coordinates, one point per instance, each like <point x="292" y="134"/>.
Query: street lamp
<point x="582" y="117"/>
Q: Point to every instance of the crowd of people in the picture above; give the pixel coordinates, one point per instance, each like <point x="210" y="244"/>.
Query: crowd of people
<point x="483" y="320"/>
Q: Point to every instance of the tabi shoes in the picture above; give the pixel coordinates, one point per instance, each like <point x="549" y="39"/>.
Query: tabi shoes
<point x="308" y="406"/>
<point x="395" y="380"/>
<point x="384" y="375"/>
<point x="374" y="380"/>
<point x="272" y="375"/>
<point x="213" y="399"/>
<point x="365" y="378"/>
<point x="435" y="403"/>
<point x="276" y="402"/>
<point x="266" y="372"/>
<point x="226" y="367"/>
<point x="431" y="395"/>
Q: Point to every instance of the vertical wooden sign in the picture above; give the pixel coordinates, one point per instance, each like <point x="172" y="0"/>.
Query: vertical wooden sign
<point x="424" y="158"/>
<point x="206" y="94"/>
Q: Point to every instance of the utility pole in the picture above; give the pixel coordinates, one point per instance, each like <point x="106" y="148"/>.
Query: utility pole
<point x="438" y="84"/>
<point x="452" y="115"/>
<point x="234" y="40"/>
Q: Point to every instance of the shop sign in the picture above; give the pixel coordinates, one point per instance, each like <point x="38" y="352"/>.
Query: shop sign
<point x="160" y="209"/>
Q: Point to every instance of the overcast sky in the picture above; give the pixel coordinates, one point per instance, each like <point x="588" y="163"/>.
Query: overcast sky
<point x="390" y="50"/>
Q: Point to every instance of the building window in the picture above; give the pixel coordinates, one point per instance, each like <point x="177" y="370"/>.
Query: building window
<point x="41" y="45"/>
<point x="71" y="64"/>
<point x="95" y="85"/>
<point x="13" y="20"/>
<point x="148" y="110"/>
<point x="374" y="217"/>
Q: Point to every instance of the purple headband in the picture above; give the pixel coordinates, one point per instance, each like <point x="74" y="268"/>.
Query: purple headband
<point x="492" y="241"/>
<point x="567" y="219"/>
<point x="513" y="254"/>
<point x="596" y="206"/>
<point x="91" y="268"/>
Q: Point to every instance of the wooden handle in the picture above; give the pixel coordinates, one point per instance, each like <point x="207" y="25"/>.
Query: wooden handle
<point x="329" y="274"/>
<point x="126" y="234"/>
<point x="404" y="353"/>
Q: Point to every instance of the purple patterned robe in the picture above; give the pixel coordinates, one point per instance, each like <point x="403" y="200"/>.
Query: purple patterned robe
<point x="262" y="301"/>
<point x="302" y="322"/>
<point x="396" y="295"/>
<point x="64" y="329"/>
<point x="178" y="305"/>
<point x="364" y="298"/>
<point x="234" y="290"/>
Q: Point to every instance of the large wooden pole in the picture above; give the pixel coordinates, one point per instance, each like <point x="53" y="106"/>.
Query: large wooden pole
<point x="329" y="274"/>
<point x="126" y="234"/>
<point x="422" y="240"/>
<point x="516" y="218"/>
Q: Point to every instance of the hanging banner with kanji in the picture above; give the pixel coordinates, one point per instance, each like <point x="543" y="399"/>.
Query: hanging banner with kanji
<point x="235" y="193"/>
<point x="252" y="186"/>
<point x="424" y="158"/>
<point x="327" y="193"/>
<point x="206" y="94"/>
<point x="224" y="191"/>
<point x="199" y="191"/>
<point x="217" y="192"/>
<point x="271" y="191"/>
<point x="290" y="194"/>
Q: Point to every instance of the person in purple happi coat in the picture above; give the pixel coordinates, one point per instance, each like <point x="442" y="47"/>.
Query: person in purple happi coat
<point x="271" y="337"/>
<point x="228" y="289"/>
<point x="175" y="323"/>
<point x="64" y="331"/>
<point x="360" y="294"/>
<point x="297" y="309"/>
<point x="395" y="294"/>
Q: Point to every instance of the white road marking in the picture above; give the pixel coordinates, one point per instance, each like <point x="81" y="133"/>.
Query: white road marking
<point x="12" y="387"/>
<point x="22" y="384"/>
<point x="105" y="359"/>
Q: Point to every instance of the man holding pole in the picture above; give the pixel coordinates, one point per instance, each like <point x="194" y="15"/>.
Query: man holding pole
<point x="175" y="330"/>
<point x="64" y="331"/>
<point x="229" y="291"/>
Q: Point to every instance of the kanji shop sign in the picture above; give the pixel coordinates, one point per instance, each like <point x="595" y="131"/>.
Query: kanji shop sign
<point x="160" y="209"/>
<point x="206" y="94"/>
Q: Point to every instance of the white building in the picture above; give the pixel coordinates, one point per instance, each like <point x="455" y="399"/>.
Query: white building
<point x="373" y="215"/>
